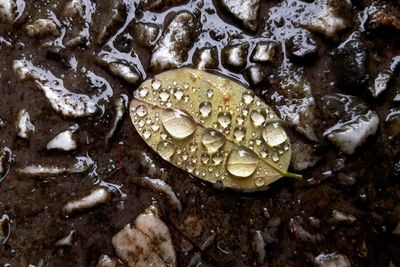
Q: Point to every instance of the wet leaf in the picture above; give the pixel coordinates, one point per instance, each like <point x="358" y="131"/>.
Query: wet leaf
<point x="213" y="128"/>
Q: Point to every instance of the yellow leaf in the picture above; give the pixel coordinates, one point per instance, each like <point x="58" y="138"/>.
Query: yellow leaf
<point x="213" y="128"/>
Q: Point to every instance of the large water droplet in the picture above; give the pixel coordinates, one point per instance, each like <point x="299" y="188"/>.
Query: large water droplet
<point x="257" y="117"/>
<point x="212" y="140"/>
<point x="155" y="84"/>
<point x="205" y="109"/>
<point x="224" y="119"/>
<point x="273" y="134"/>
<point x="141" y="111"/>
<point x="177" y="123"/>
<point x="248" y="97"/>
<point x="239" y="133"/>
<point x="242" y="162"/>
<point x="165" y="149"/>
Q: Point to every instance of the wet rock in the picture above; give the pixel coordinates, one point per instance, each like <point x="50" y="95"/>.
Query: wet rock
<point x="303" y="156"/>
<point x="24" y="126"/>
<point x="42" y="28"/>
<point x="294" y="100"/>
<point x="266" y="51"/>
<point x="340" y="217"/>
<point x="147" y="242"/>
<point x="327" y="17"/>
<point x="302" y="234"/>
<point x="193" y="226"/>
<point x="124" y="72"/>
<point x="95" y="198"/>
<point x="107" y="261"/>
<point x="332" y="260"/>
<point x="351" y="134"/>
<point x="341" y="107"/>
<point x="206" y="58"/>
<point x="67" y="240"/>
<point x="244" y="10"/>
<point x="117" y="17"/>
<point x="66" y="141"/>
<point x="6" y="11"/>
<point x="73" y="9"/>
<point x="256" y="74"/>
<point x="392" y="122"/>
<point x="67" y="103"/>
<point x="349" y="64"/>
<point x="383" y="78"/>
<point x="37" y="170"/>
<point x="120" y="104"/>
<point x="258" y="244"/>
<point x="162" y="187"/>
<point x="301" y="45"/>
<point x="236" y="55"/>
<point x="5" y="229"/>
<point x="171" y="50"/>
<point x="382" y="18"/>
<point x="145" y="33"/>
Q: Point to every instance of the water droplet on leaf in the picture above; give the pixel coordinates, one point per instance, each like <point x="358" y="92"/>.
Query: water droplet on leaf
<point x="273" y="134"/>
<point x="212" y="140"/>
<point x="177" y="123"/>
<point x="165" y="149"/>
<point x="242" y="162"/>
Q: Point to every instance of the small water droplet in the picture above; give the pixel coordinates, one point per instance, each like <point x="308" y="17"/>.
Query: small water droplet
<point x="141" y="111"/>
<point x="205" y="158"/>
<point x="248" y="97"/>
<point x="240" y="120"/>
<point x="224" y="119"/>
<point x="164" y="95"/>
<point x="177" y="123"/>
<point x="259" y="182"/>
<point x="163" y="135"/>
<point x="275" y="157"/>
<point x="205" y="109"/>
<point x="217" y="158"/>
<point x="257" y="118"/>
<point x="242" y="162"/>
<point x="178" y="94"/>
<point x="143" y="92"/>
<point x="273" y="134"/>
<point x="185" y="156"/>
<point x="155" y="84"/>
<point x="165" y="149"/>
<point x="190" y="167"/>
<point x="186" y="85"/>
<point x="239" y="133"/>
<point x="286" y="147"/>
<point x="155" y="127"/>
<point x="264" y="154"/>
<point x="210" y="93"/>
<point x="141" y="123"/>
<point x="193" y="147"/>
<point x="146" y="134"/>
<point x="212" y="140"/>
